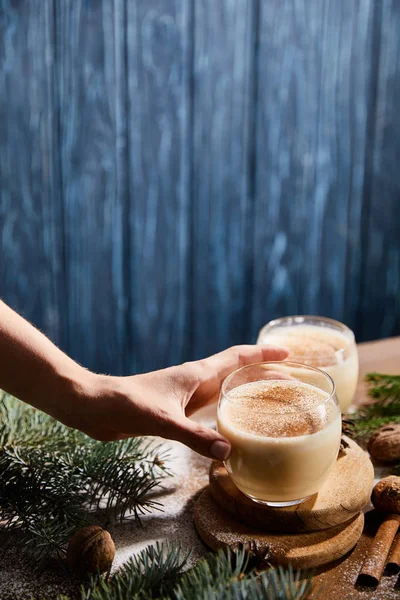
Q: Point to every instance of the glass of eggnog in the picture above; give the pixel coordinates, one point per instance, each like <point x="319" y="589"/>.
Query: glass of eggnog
<point x="318" y="342"/>
<point x="284" y="424"/>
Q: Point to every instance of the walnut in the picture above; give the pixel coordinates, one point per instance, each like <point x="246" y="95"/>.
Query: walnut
<point x="384" y="445"/>
<point x="386" y="494"/>
<point x="90" y="549"/>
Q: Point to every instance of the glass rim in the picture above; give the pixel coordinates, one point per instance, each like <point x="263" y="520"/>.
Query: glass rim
<point x="301" y="320"/>
<point x="331" y="396"/>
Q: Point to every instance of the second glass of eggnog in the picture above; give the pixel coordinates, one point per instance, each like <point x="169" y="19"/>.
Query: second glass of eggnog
<point x="284" y="425"/>
<point x="318" y="342"/>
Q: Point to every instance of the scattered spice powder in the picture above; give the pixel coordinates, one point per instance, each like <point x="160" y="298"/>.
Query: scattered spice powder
<point x="278" y="408"/>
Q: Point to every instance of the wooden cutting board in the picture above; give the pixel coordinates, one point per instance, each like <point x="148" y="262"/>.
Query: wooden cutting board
<point x="336" y="502"/>
<point x="217" y="528"/>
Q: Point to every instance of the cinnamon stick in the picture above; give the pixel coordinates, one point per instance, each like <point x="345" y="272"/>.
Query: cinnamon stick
<point x="393" y="563"/>
<point x="372" y="569"/>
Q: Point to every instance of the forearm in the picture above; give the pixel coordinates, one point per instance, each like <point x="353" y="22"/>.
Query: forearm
<point x="33" y="369"/>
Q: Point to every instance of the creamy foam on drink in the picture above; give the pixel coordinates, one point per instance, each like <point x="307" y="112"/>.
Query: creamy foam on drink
<point x="286" y="401"/>
<point x="285" y="437"/>
<point x="322" y="347"/>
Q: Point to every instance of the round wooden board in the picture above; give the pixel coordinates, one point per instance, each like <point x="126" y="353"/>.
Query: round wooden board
<point x="343" y="496"/>
<point x="217" y="528"/>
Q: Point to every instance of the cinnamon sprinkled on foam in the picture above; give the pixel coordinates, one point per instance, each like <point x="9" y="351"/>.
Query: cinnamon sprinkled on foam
<point x="318" y="345"/>
<point x="275" y="408"/>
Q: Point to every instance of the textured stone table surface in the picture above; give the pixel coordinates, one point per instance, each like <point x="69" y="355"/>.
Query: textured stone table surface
<point x="175" y="522"/>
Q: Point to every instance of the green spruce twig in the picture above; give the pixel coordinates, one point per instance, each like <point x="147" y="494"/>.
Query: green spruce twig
<point x="52" y="478"/>
<point x="121" y="475"/>
<point x="384" y="390"/>
<point x="158" y="573"/>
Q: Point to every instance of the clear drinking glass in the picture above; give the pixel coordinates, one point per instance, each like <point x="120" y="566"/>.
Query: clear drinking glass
<point x="284" y="424"/>
<point x="318" y="342"/>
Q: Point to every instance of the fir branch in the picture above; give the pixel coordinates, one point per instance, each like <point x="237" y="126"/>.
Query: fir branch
<point x="121" y="473"/>
<point x="45" y="539"/>
<point x="34" y="483"/>
<point x="51" y="477"/>
<point x="216" y="577"/>
<point x="156" y="574"/>
<point x="39" y="500"/>
<point x="148" y="575"/>
<point x="22" y="425"/>
<point x="385" y="390"/>
<point x="385" y="387"/>
<point x="281" y="584"/>
<point x="222" y="578"/>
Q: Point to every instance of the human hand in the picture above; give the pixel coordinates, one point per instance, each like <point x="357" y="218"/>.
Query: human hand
<point x="34" y="370"/>
<point x="161" y="402"/>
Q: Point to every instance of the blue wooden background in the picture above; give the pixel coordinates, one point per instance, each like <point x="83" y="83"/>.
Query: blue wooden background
<point x="175" y="173"/>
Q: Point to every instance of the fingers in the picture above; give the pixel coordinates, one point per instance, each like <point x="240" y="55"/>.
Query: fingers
<point x="238" y="356"/>
<point x="200" y="439"/>
<point x="209" y="373"/>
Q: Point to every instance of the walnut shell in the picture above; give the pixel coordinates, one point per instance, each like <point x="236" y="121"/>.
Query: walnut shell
<point x="386" y="494"/>
<point x="384" y="445"/>
<point x="90" y="549"/>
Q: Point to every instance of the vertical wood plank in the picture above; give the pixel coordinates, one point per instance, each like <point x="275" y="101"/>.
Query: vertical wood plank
<point x="209" y="166"/>
<point x="314" y="79"/>
<point x="221" y="189"/>
<point x="158" y="72"/>
<point x="379" y="310"/>
<point x="90" y="54"/>
<point x="30" y="224"/>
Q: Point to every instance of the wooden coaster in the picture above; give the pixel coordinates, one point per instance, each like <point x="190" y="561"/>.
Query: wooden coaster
<point x="343" y="496"/>
<point x="217" y="528"/>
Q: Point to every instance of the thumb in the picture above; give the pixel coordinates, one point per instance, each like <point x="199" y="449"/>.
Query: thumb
<point x="203" y="440"/>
